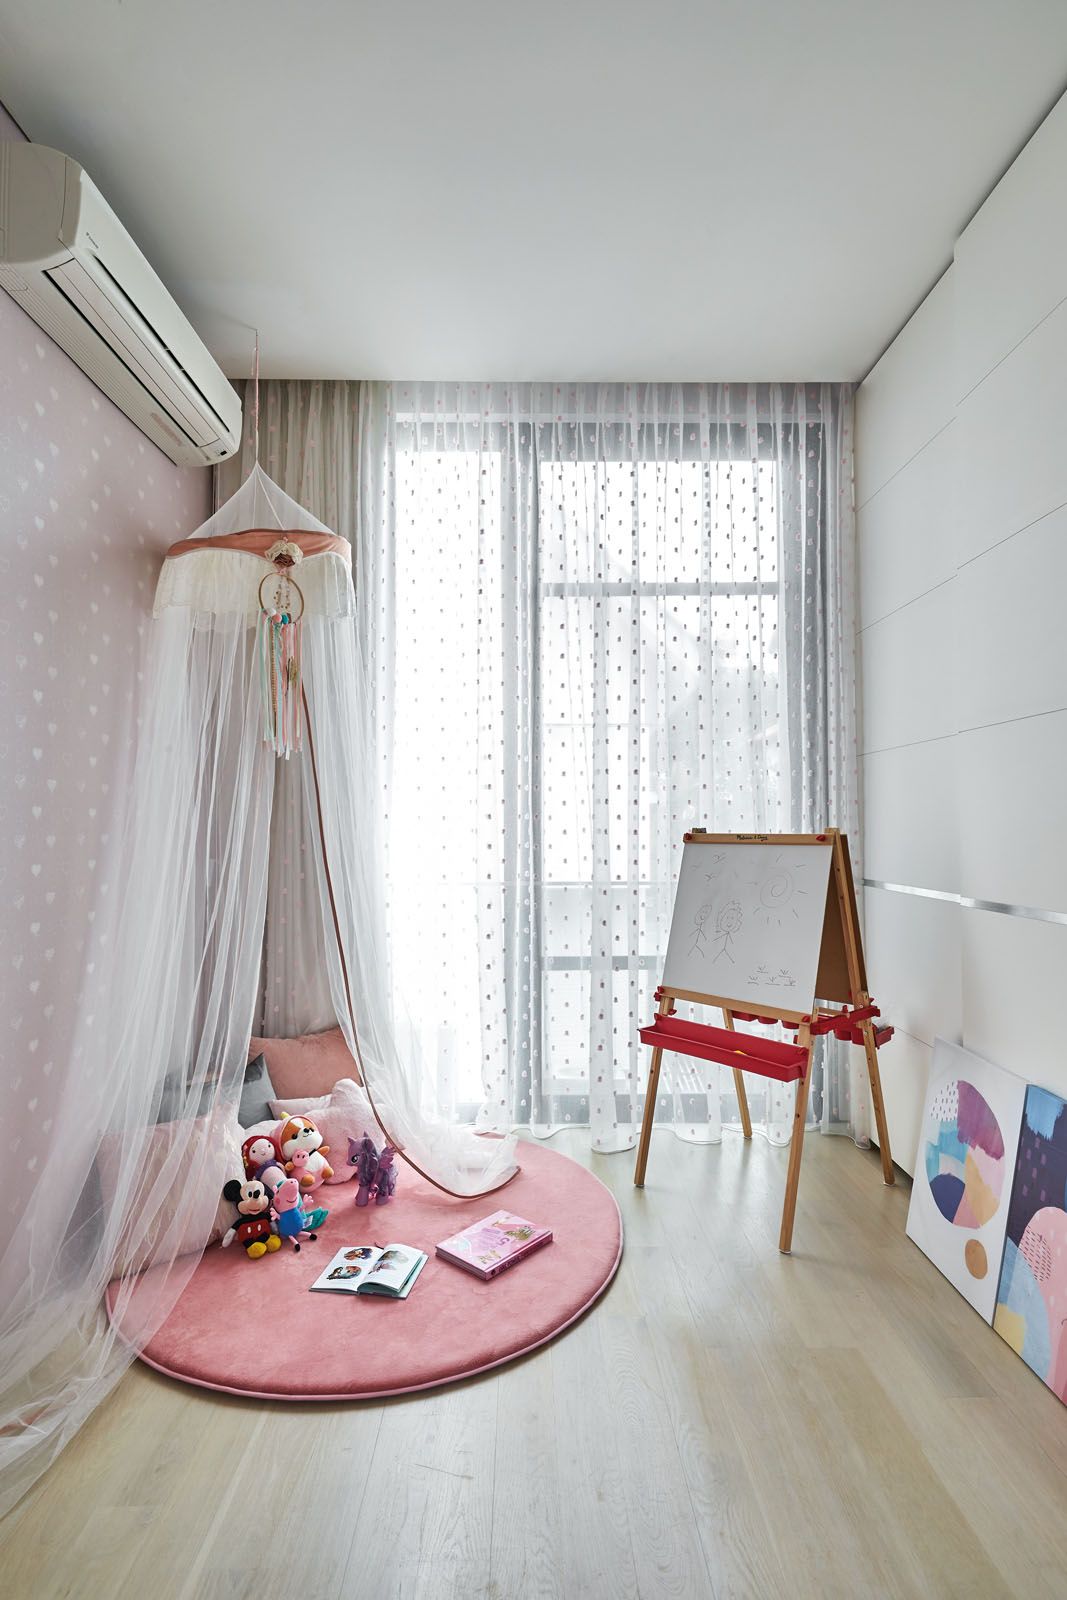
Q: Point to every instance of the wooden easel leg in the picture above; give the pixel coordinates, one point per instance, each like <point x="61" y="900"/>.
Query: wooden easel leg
<point x="664" y="1009"/>
<point x="796" y="1152"/>
<point x="857" y="979"/>
<point x="647" y="1120"/>
<point x="871" y="1049"/>
<point x="742" y="1103"/>
<point x="739" y="1083"/>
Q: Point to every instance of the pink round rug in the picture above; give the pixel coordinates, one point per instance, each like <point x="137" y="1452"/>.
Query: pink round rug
<point x="252" y="1327"/>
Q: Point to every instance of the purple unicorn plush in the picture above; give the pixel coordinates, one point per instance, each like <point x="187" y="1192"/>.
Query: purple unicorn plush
<point x="363" y="1155"/>
<point x="385" y="1177"/>
<point x="376" y="1170"/>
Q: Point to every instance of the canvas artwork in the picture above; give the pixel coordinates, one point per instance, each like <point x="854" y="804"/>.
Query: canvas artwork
<point x="748" y="922"/>
<point x="959" y="1199"/>
<point x="1031" y="1309"/>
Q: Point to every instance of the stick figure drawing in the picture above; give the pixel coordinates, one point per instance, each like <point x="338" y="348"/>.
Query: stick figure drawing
<point x="700" y="935"/>
<point x="729" y="921"/>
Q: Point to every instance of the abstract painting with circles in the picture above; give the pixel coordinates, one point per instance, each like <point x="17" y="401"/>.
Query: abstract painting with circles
<point x="964" y="1169"/>
<point x="1031" y="1311"/>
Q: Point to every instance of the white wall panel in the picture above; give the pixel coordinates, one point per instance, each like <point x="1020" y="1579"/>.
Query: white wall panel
<point x="967" y="534"/>
<point x="1011" y="261"/>
<point x="1011" y="606"/>
<point x="907" y="540"/>
<point x="910" y="394"/>
<point x="904" y="1064"/>
<point x="910" y="826"/>
<point x="908" y="666"/>
<point x="1013" y="994"/>
<point x="1013" y="460"/>
<point x="912" y="945"/>
<point x="1013" y="813"/>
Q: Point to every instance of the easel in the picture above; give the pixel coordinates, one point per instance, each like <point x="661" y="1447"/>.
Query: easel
<point x="841" y="978"/>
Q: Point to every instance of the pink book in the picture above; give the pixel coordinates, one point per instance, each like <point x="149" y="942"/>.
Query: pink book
<point x="494" y="1244"/>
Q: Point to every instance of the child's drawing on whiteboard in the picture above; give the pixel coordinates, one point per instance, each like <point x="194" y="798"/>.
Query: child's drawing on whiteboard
<point x="751" y="911"/>
<point x="715" y="867"/>
<point x="778" y="890"/>
<point x="700" y="931"/>
<point x="782" y="979"/>
<point x="729" y="922"/>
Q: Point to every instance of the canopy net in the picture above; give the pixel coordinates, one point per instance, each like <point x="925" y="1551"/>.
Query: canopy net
<point x="244" y="895"/>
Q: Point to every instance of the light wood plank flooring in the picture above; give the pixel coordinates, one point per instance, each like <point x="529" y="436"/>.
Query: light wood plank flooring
<point x="727" y="1422"/>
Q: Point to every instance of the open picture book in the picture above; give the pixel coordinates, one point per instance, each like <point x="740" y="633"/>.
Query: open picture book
<point x="389" y="1269"/>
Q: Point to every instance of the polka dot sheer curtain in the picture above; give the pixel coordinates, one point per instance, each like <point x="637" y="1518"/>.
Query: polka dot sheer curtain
<point x="595" y="616"/>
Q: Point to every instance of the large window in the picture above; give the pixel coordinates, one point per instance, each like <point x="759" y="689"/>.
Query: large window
<point x="653" y="604"/>
<point x="586" y="662"/>
<point x="595" y="615"/>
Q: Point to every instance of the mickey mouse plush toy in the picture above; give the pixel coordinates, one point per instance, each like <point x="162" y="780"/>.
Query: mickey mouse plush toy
<point x="252" y="1200"/>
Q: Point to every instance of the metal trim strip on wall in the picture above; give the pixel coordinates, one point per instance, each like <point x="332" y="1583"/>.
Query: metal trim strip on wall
<point x="1034" y="913"/>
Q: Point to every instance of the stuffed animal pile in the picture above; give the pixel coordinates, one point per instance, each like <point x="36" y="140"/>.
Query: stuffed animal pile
<point x="283" y="1169"/>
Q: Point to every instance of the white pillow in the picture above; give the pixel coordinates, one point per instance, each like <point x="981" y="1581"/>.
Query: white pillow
<point x="210" y="1148"/>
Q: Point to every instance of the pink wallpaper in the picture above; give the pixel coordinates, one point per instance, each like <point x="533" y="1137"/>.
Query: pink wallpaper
<point x="87" y="506"/>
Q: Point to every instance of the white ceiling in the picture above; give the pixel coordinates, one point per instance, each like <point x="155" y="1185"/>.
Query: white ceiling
<point x="570" y="189"/>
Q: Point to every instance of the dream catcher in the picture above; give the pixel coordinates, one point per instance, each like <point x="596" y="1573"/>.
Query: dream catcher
<point x="281" y="614"/>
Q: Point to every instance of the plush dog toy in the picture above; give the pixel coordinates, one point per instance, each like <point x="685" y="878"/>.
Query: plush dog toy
<point x="260" y="1156"/>
<point x="288" y="1214"/>
<point x="300" y="1133"/>
<point x="252" y="1200"/>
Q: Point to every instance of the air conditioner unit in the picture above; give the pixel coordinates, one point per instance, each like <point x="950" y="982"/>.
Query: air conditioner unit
<point x="69" y="262"/>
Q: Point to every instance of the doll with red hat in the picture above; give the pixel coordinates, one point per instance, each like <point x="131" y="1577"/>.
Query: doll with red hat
<point x="262" y="1159"/>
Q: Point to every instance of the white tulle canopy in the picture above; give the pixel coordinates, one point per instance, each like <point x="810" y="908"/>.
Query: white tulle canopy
<point x="306" y="924"/>
<point x="243" y="897"/>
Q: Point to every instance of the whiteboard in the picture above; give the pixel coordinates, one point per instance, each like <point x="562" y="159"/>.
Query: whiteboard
<point x="748" y="922"/>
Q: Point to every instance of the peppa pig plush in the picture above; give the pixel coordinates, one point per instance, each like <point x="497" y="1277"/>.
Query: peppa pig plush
<point x="288" y="1214"/>
<point x="300" y="1133"/>
<point x="298" y="1165"/>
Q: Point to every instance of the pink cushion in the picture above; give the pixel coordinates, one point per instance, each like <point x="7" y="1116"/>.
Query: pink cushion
<point x="343" y="1114"/>
<point x="310" y="1065"/>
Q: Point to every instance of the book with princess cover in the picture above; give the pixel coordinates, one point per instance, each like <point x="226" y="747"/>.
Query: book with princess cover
<point x="370" y="1269"/>
<point x="489" y="1247"/>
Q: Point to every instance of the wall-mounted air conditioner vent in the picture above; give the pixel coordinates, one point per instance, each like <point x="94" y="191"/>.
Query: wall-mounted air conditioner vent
<point x="69" y="262"/>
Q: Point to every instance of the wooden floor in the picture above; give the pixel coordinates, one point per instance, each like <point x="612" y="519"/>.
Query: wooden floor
<point x="726" y="1422"/>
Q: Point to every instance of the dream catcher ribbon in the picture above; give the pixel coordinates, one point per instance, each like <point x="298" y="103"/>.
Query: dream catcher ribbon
<point x="281" y="615"/>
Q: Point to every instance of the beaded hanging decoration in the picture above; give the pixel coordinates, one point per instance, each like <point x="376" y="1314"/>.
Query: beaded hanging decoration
<point x="279" y="648"/>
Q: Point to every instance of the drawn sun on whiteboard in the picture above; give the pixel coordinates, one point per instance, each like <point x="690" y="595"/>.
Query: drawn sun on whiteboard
<point x="777" y="892"/>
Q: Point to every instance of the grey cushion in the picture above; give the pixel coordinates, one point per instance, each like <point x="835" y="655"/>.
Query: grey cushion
<point x="257" y="1093"/>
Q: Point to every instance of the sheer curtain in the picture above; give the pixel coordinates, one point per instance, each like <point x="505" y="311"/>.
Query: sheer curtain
<point x="307" y="444"/>
<point x="594" y="616"/>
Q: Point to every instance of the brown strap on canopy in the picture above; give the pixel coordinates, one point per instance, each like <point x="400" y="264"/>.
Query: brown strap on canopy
<point x="360" y="1068"/>
<point x="257" y="541"/>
